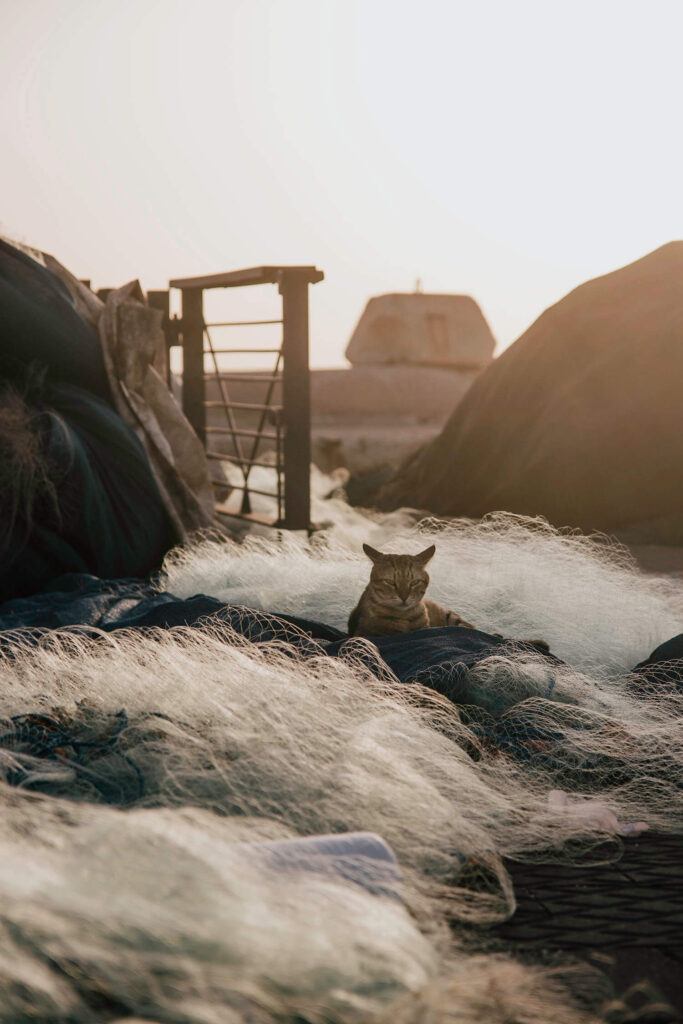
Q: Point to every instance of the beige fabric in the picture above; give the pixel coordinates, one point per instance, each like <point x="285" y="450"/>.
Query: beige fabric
<point x="130" y="332"/>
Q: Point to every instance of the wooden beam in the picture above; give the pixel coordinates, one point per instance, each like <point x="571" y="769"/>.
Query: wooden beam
<point x="239" y="278"/>
<point x="296" y="399"/>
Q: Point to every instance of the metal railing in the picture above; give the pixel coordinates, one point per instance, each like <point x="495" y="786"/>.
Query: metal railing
<point x="283" y="421"/>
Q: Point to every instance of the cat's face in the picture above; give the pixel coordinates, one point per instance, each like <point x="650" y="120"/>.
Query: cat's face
<point x="399" y="581"/>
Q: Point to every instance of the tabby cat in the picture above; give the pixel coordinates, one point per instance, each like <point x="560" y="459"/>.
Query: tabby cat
<point x="394" y="601"/>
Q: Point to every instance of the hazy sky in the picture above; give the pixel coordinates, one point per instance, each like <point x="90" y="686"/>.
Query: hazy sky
<point x="505" y="148"/>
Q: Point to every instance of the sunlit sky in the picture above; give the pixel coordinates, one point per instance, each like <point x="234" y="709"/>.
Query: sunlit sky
<point x="503" y="148"/>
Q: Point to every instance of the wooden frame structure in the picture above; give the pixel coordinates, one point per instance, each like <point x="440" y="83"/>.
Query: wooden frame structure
<point x="291" y="418"/>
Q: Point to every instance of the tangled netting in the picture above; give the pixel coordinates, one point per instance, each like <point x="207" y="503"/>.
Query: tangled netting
<point x="163" y="909"/>
<point x="505" y="574"/>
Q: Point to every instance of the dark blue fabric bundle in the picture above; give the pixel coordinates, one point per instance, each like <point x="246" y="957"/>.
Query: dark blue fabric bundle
<point x="79" y="599"/>
<point x="438" y="658"/>
<point x="102" y="511"/>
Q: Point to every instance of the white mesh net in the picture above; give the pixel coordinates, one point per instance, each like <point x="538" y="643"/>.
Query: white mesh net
<point x="159" y="910"/>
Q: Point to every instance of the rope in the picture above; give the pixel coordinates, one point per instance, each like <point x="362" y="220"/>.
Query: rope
<point x="47" y="738"/>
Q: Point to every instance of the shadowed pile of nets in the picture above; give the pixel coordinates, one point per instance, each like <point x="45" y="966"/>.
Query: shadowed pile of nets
<point x="577" y="421"/>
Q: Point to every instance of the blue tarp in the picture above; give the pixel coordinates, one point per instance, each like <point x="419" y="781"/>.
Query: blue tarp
<point x="439" y="658"/>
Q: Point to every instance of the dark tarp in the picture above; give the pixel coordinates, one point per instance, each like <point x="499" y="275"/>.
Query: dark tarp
<point x="580" y="421"/>
<point x="108" y="517"/>
<point x="95" y="746"/>
<point x="79" y="599"/>
<point x="107" y="758"/>
<point x="39" y="323"/>
<point x="662" y="670"/>
<point x="438" y="658"/>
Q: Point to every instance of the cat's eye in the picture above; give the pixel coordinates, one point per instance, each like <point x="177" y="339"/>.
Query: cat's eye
<point x="415" y="584"/>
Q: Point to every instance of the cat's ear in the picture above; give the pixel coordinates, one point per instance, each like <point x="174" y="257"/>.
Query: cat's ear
<point x="372" y="554"/>
<point x="426" y="555"/>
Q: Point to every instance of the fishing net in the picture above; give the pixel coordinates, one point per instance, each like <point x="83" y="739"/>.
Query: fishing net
<point x="140" y="767"/>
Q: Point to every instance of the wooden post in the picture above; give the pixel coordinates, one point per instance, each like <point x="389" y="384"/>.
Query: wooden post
<point x="193" y="360"/>
<point x="296" y="400"/>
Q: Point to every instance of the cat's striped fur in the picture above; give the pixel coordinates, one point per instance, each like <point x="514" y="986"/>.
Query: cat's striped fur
<point x="394" y="601"/>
